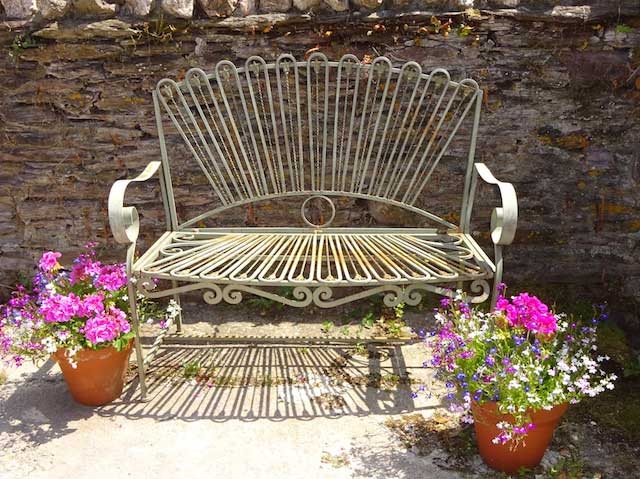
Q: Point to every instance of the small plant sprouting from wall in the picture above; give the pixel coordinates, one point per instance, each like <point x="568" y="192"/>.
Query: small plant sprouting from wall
<point x="20" y="44"/>
<point x="158" y="31"/>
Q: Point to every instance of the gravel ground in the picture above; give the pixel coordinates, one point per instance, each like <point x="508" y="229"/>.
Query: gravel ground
<point x="275" y="407"/>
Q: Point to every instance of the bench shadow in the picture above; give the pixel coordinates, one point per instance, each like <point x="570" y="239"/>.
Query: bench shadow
<point x="270" y="381"/>
<point x="246" y="382"/>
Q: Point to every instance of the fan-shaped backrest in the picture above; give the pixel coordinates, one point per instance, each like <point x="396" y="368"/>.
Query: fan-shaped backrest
<point x="319" y="127"/>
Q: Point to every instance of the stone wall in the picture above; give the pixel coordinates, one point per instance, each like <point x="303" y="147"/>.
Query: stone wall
<point x="560" y="120"/>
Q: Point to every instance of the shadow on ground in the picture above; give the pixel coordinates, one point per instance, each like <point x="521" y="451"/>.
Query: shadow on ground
<point x="40" y="409"/>
<point x="272" y="381"/>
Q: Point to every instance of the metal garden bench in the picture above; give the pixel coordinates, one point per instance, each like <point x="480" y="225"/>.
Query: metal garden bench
<point x="318" y="131"/>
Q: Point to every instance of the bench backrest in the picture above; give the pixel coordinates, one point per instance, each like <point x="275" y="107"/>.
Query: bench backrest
<point x="334" y="128"/>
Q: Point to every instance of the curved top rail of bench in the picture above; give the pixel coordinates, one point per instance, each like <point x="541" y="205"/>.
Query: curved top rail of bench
<point x="334" y="128"/>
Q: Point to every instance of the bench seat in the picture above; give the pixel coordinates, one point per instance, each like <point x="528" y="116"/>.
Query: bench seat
<point x="335" y="256"/>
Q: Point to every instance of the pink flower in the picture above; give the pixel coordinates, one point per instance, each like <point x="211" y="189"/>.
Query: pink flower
<point x="91" y="305"/>
<point x="528" y="312"/>
<point x="111" y="277"/>
<point x="106" y="327"/>
<point x="49" y="261"/>
<point x="59" y="308"/>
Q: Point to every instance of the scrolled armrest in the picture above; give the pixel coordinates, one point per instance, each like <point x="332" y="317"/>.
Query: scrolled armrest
<point x="124" y="220"/>
<point x="504" y="220"/>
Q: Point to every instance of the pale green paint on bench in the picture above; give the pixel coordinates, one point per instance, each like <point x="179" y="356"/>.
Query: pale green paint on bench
<point x="323" y="130"/>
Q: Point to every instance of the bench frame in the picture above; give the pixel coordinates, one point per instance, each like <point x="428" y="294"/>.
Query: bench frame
<point x="338" y="243"/>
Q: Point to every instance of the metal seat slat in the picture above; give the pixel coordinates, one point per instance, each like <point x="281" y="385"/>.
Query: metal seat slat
<point x="315" y="258"/>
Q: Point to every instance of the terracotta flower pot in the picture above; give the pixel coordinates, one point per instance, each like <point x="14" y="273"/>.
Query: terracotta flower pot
<point x="99" y="376"/>
<point x="528" y="454"/>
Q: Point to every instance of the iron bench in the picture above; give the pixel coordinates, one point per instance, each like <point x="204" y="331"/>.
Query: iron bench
<point x="318" y="131"/>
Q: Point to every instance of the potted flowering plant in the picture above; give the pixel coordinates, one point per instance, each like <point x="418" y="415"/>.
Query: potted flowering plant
<point x="515" y="369"/>
<point x="78" y="316"/>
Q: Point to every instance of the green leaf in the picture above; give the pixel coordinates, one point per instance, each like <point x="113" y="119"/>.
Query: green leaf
<point x="622" y="28"/>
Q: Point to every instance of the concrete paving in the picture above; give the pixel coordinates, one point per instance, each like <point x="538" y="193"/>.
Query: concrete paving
<point x="253" y="410"/>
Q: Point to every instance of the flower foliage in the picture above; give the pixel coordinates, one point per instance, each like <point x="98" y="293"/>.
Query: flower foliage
<point x="84" y="307"/>
<point x="522" y="356"/>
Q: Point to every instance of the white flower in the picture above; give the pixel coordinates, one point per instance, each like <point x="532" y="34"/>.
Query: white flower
<point x="173" y="309"/>
<point x="71" y="355"/>
<point x="63" y="335"/>
<point x="49" y="345"/>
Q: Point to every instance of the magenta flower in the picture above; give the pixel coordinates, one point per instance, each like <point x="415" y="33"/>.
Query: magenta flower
<point x="59" y="308"/>
<point x="84" y="269"/>
<point x="528" y="312"/>
<point x="99" y="329"/>
<point x="49" y="261"/>
<point x="111" y="277"/>
<point x="91" y="305"/>
<point x="106" y="327"/>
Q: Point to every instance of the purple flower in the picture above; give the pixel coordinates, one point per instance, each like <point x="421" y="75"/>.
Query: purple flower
<point x="85" y="269"/>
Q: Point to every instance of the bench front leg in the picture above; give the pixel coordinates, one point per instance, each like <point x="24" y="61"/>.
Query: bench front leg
<point x="504" y="219"/>
<point x="125" y="226"/>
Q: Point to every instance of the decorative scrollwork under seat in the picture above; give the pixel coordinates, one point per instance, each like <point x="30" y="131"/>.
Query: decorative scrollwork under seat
<point x="374" y="132"/>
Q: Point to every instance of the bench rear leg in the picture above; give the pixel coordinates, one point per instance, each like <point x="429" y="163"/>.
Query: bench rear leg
<point x="178" y="318"/>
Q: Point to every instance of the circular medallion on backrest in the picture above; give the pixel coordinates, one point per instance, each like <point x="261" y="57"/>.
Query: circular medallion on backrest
<point x="316" y="209"/>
